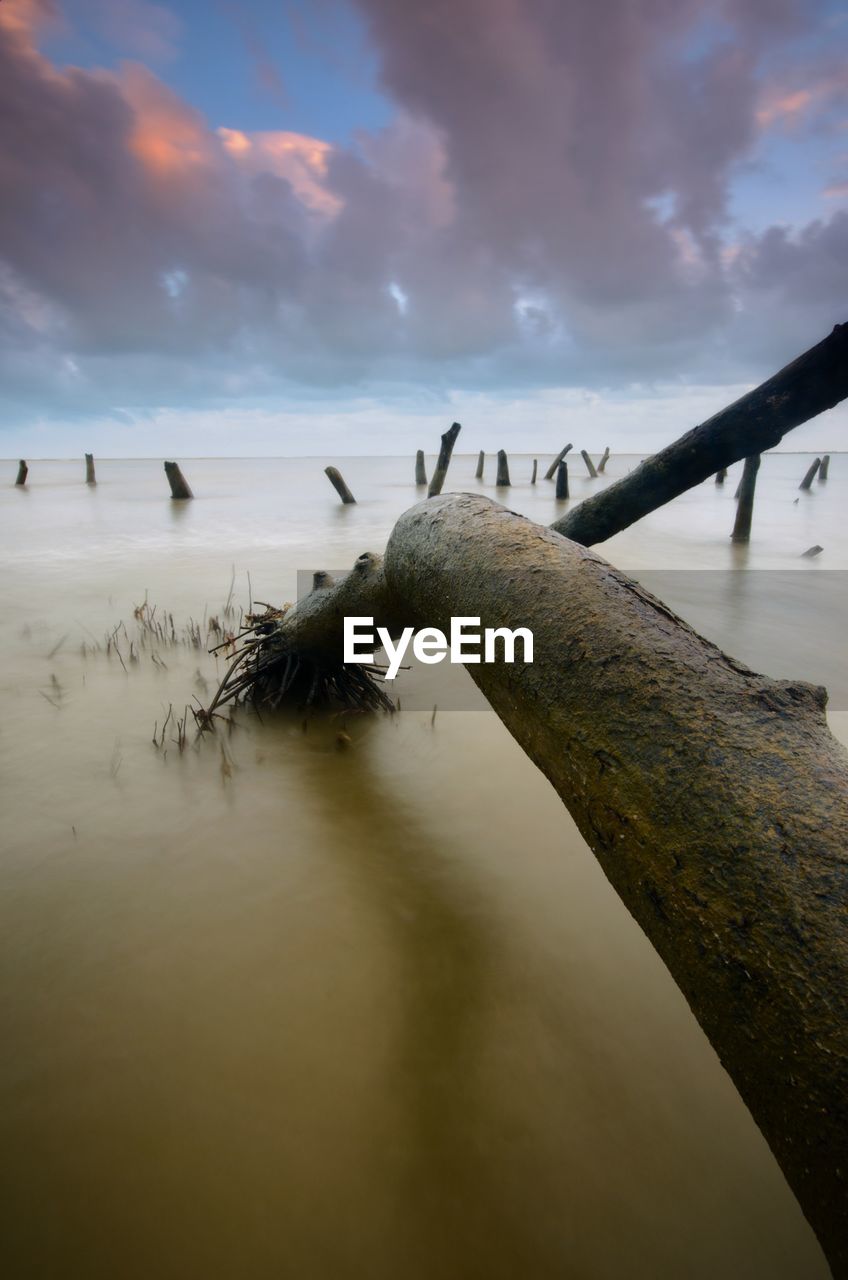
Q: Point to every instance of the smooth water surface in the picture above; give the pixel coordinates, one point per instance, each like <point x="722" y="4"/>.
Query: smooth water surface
<point x="275" y="1008"/>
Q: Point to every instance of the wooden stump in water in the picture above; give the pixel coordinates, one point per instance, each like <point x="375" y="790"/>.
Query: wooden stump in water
<point x="179" y="485"/>
<point x="604" y="460"/>
<point x="481" y="458"/>
<point x="535" y="466"/>
<point x="551" y="471"/>
<point x="420" y="469"/>
<point x="721" y="475"/>
<point x="562" y="480"/>
<point x="590" y="466"/>
<point x="443" y="462"/>
<point x="89" y="469"/>
<point x="502" y="480"/>
<point x="810" y="476"/>
<point x="337" y="481"/>
<point x="742" y="524"/>
<point x="823" y="469"/>
<point x="22" y="472"/>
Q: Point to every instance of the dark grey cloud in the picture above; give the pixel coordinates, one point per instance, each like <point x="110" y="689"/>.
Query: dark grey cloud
<point x="550" y="205"/>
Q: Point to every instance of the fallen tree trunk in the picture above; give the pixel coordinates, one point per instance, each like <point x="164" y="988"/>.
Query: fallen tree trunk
<point x="816" y="381"/>
<point x="715" y="799"/>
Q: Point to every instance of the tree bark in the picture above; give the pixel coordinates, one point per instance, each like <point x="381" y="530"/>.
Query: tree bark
<point x="502" y="479"/>
<point x="603" y="462"/>
<point x="90" y="477"/>
<point x="562" y="481"/>
<point x="715" y="799"/>
<point x="535" y="469"/>
<point x="23" y="471"/>
<point x="481" y="458"/>
<point x="443" y="462"/>
<point x="825" y="467"/>
<point x="816" y="381"/>
<point x="745" y="510"/>
<point x="551" y="471"/>
<point x="420" y="469"/>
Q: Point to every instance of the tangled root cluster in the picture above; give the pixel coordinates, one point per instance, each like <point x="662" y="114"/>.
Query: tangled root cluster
<point x="267" y="671"/>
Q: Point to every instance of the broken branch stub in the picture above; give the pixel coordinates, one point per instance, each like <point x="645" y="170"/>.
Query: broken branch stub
<point x="337" y="481"/>
<point x="810" y="474"/>
<point x="551" y="471"/>
<point x="745" y="510"/>
<point x="443" y="461"/>
<point x="179" y="485"/>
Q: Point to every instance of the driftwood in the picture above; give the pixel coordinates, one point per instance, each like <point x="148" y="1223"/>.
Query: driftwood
<point x="825" y="467"/>
<point x="420" y="469"/>
<point x="179" y="485"/>
<point x="551" y="471"/>
<point x="562" y="481"/>
<point x="721" y="475"/>
<point x="810" y="474"/>
<point x="90" y="477"/>
<point x="715" y="799"/>
<point x="535" y="469"/>
<point x="23" y="470"/>
<point x="816" y="381"/>
<point x="336" y="479"/>
<point x="443" y="461"/>
<point x="590" y="466"/>
<point x="604" y="460"/>
<point x="502" y="480"/>
<point x="481" y="458"/>
<point x="745" y="510"/>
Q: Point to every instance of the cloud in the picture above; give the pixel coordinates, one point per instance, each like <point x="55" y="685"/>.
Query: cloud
<point x="550" y="204"/>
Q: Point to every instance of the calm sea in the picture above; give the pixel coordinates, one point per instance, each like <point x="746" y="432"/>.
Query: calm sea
<point x="270" y="1008"/>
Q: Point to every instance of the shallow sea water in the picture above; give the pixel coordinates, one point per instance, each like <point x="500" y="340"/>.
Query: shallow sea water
<point x="269" y="1008"/>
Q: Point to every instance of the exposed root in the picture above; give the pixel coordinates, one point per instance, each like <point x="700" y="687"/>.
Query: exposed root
<point x="267" y="671"/>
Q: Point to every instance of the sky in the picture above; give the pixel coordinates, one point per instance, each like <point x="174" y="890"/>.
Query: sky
<point x="334" y="226"/>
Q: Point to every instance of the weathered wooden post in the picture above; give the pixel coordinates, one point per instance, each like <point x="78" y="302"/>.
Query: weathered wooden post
<point x="420" y="469"/>
<point x="811" y="473"/>
<point x="89" y="469"/>
<point x="549" y="474"/>
<point x="337" y="481"/>
<point x="179" y="485"/>
<point x="604" y="460"/>
<point x="535" y="465"/>
<point x="443" y="462"/>
<point x="742" y="524"/>
<point x="823" y="469"/>
<point x="590" y="466"/>
<point x="562" y="480"/>
<point x="481" y="458"/>
<point x="22" y="472"/>
<point x="721" y="476"/>
<point x="502" y="480"/>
